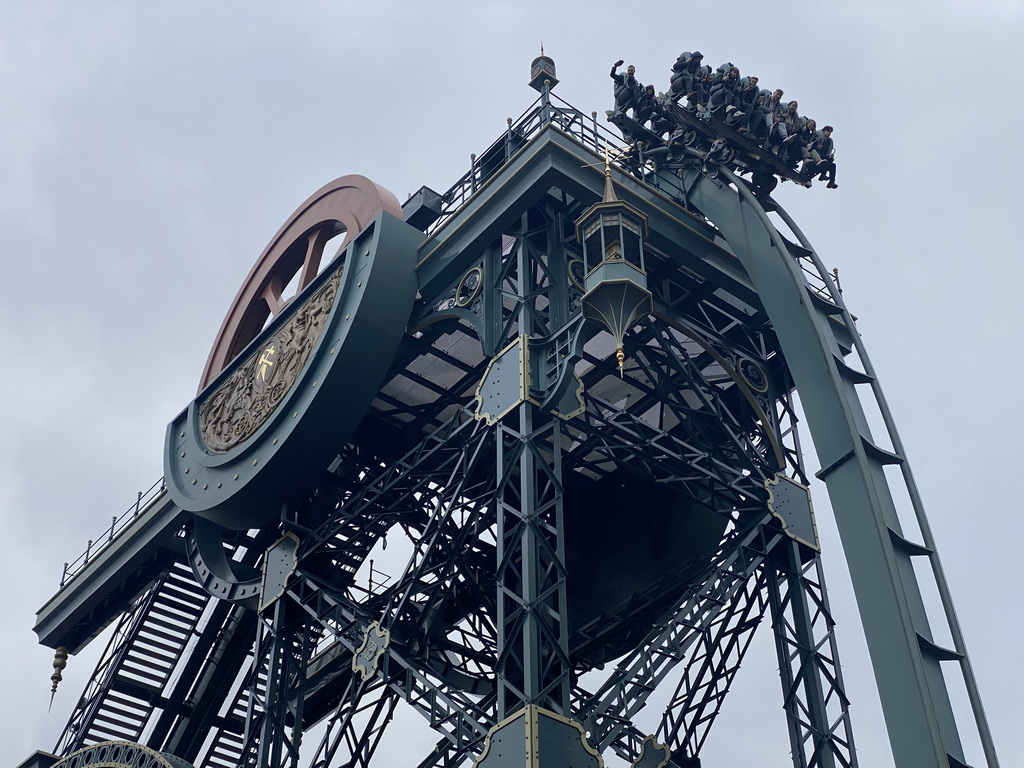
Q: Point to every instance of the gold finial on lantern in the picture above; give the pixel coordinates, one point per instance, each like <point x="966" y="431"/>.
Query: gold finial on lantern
<point x="611" y="233"/>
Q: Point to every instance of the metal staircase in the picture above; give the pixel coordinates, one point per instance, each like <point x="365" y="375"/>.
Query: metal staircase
<point x="138" y="665"/>
<point x="228" y="738"/>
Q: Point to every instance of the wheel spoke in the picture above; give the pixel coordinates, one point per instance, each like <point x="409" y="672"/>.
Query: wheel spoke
<point x="316" y="240"/>
<point x="337" y="207"/>
<point x="272" y="296"/>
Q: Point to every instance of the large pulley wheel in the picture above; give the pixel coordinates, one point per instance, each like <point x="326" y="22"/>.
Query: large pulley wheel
<point x="346" y="205"/>
<point x="289" y="379"/>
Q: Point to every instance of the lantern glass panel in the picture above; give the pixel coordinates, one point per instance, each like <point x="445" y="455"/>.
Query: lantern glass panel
<point x="613" y="251"/>
<point x="633" y="250"/>
<point x="593" y="248"/>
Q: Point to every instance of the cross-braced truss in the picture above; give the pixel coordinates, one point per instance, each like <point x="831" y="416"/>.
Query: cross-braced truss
<point x="481" y="507"/>
<point x="499" y="516"/>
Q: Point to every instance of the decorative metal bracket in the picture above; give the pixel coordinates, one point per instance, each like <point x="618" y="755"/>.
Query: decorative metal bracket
<point x="367" y="656"/>
<point x="505" y="383"/>
<point x="553" y="380"/>
<point x="278" y="566"/>
<point x="535" y="737"/>
<point x="539" y="371"/>
<point x="652" y="754"/>
<point x="790" y="502"/>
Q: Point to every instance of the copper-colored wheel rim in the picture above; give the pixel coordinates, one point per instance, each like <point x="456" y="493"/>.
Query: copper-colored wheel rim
<point x="344" y="205"/>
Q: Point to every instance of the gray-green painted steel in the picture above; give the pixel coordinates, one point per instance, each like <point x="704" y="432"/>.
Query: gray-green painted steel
<point x="113" y="577"/>
<point x="533" y="666"/>
<point x="245" y="486"/>
<point x="39" y="759"/>
<point x="920" y="719"/>
<point x="278" y="566"/>
<point x="790" y="502"/>
<point x="537" y="738"/>
<point x="764" y="284"/>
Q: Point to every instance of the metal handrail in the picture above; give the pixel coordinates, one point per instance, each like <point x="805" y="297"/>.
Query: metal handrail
<point x="118" y="525"/>
<point x="546" y="110"/>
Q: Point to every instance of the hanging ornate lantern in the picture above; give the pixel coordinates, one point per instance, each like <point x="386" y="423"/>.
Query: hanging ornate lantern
<point x="615" y="286"/>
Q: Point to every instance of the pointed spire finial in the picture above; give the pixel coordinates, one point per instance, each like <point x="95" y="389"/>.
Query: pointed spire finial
<point x="60" y="661"/>
<point x="609" y="190"/>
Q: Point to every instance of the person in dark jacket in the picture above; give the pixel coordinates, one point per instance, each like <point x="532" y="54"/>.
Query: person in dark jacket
<point x="627" y="88"/>
<point x="759" y="118"/>
<point x="805" y="139"/>
<point x="644" y="108"/>
<point x="688" y="76"/>
<point x="724" y="95"/>
<point x="747" y="92"/>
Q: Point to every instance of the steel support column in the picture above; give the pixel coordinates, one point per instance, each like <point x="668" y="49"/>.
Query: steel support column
<point x="277" y="689"/>
<point x="533" y="661"/>
<point x="817" y="710"/>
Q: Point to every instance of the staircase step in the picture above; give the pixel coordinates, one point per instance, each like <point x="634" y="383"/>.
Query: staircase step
<point x="159" y="644"/>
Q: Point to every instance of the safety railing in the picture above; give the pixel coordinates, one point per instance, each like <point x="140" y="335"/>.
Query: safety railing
<point x="546" y="110"/>
<point x="118" y="525"/>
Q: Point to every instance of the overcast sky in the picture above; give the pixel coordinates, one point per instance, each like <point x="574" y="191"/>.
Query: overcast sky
<point x="148" y="151"/>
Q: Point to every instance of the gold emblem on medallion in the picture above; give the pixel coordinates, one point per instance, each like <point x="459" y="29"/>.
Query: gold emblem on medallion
<point x="241" y="405"/>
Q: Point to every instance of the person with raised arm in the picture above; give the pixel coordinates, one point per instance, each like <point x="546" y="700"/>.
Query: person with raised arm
<point x="627" y="88"/>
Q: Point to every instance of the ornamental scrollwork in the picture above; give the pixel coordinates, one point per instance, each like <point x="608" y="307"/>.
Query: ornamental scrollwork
<point x="244" y="402"/>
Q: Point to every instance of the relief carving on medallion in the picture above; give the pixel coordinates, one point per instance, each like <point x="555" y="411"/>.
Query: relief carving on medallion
<point x="241" y="405"/>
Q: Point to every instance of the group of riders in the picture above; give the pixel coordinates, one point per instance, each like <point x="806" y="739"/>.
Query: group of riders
<point x="756" y="113"/>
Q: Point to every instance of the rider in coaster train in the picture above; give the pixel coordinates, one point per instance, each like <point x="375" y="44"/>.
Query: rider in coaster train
<point x="627" y="88"/>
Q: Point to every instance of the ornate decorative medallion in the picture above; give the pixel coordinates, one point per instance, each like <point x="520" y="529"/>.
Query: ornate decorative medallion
<point x="577" y="273"/>
<point x="469" y="287"/>
<point x="250" y="395"/>
<point x="752" y="374"/>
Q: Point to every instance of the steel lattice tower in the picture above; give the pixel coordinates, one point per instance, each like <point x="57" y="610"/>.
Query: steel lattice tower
<point x="567" y="386"/>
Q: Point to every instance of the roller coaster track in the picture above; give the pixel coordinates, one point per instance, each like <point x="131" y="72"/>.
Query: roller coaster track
<point x="816" y="331"/>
